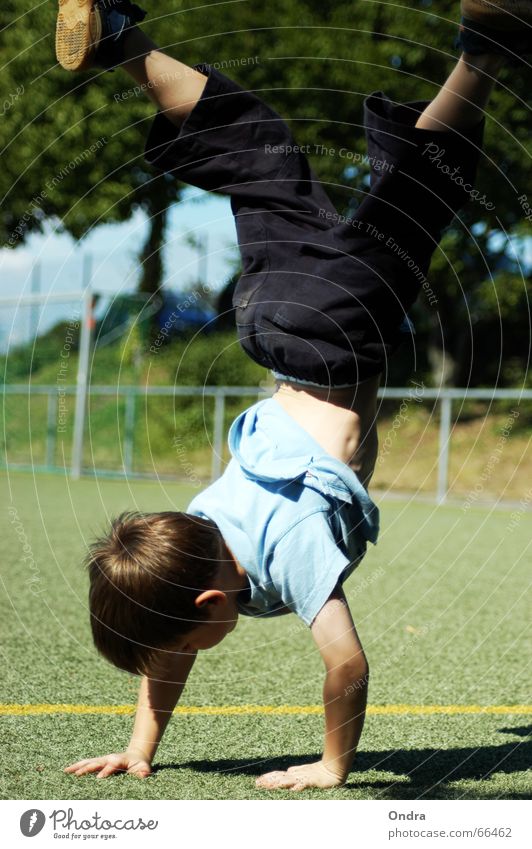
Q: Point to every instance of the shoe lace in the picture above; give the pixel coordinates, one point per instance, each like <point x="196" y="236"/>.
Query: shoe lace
<point x="126" y="8"/>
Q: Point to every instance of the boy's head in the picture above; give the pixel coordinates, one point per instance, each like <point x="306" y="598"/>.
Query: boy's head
<point x="159" y="581"/>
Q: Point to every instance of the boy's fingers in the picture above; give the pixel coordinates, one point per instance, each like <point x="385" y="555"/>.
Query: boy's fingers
<point x="105" y="769"/>
<point x="276" y="780"/>
<point x="141" y="770"/>
<point x="267" y="779"/>
<point x="90" y="766"/>
<point x="77" y="765"/>
<point x="108" y="770"/>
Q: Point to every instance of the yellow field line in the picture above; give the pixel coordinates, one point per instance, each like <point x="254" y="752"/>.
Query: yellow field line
<point x="253" y="710"/>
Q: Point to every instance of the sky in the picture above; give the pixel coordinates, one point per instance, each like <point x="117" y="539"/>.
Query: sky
<point x="110" y="251"/>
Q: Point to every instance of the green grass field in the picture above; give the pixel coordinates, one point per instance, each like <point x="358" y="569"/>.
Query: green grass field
<point x="440" y="606"/>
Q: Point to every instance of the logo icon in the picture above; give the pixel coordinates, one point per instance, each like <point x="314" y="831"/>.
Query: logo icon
<point x="32" y="822"/>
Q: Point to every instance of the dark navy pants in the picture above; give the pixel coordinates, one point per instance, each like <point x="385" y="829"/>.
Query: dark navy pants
<point x="322" y="298"/>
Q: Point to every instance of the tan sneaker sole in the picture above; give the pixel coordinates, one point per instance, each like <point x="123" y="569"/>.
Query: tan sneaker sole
<point x="78" y="32"/>
<point x="506" y="15"/>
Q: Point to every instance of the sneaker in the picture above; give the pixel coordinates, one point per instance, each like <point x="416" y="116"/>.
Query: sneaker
<point x="496" y="26"/>
<point x="92" y="32"/>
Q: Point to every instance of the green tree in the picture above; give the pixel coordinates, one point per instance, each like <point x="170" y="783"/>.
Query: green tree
<point x="72" y="144"/>
<point x="314" y="61"/>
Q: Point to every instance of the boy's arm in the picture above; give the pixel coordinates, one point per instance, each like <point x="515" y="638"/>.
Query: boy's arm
<point x="344" y="697"/>
<point x="346" y="683"/>
<point x="156" y="702"/>
<point x="157" y="699"/>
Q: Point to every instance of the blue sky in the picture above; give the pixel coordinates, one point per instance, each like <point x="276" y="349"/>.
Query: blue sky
<point x="113" y="250"/>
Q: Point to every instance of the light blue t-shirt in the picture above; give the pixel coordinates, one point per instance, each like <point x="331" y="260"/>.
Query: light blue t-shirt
<point x="296" y="519"/>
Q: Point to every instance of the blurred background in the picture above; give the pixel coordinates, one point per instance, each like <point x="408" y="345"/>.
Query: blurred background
<point x="117" y="337"/>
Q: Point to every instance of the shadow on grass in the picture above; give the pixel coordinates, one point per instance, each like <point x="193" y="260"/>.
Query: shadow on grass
<point x="520" y="731"/>
<point x="420" y="772"/>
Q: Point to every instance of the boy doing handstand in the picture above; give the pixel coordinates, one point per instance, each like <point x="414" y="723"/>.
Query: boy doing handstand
<point x="322" y="302"/>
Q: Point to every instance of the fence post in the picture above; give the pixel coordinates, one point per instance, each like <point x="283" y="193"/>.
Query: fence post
<point x="82" y="385"/>
<point x="129" y="432"/>
<point x="51" y="425"/>
<point x="218" y="435"/>
<point x="35" y="308"/>
<point x="443" y="458"/>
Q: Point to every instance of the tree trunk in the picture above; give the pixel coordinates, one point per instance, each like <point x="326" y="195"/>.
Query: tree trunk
<point x="151" y="257"/>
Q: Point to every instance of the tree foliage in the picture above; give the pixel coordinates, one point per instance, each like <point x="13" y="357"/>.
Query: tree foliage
<point x="314" y="61"/>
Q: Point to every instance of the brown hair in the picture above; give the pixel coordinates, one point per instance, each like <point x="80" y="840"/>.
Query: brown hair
<point x="145" y="575"/>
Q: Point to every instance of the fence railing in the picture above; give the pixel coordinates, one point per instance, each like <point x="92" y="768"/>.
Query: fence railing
<point x="219" y="394"/>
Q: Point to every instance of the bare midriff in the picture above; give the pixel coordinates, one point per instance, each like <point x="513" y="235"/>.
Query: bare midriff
<point x="342" y="421"/>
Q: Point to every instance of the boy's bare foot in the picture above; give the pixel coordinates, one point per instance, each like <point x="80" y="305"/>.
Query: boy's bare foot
<point x="92" y="32"/>
<point x="496" y="26"/>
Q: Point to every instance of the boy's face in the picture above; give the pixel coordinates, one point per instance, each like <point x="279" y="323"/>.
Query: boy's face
<point x="219" y="606"/>
<point x="222" y="616"/>
<point x="206" y="636"/>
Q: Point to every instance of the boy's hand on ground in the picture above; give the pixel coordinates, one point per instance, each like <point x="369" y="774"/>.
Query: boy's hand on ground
<point x="301" y="777"/>
<point x="131" y="762"/>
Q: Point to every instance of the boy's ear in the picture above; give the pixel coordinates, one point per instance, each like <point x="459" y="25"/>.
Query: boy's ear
<point x="211" y="597"/>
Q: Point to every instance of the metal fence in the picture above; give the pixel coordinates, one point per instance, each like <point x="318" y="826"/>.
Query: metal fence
<point x="82" y="393"/>
<point x="219" y="394"/>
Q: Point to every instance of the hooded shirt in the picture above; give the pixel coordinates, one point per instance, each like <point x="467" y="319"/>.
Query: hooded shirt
<point x="296" y="519"/>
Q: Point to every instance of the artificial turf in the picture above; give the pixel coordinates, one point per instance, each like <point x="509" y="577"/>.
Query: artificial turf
<point x="440" y="605"/>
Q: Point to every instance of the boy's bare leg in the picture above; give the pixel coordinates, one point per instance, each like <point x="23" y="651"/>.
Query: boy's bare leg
<point x="173" y="87"/>
<point x="461" y="102"/>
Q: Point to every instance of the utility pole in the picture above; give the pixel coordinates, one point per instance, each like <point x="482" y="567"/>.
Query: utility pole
<point x="203" y="258"/>
<point x="82" y="383"/>
<point x="34" y="307"/>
